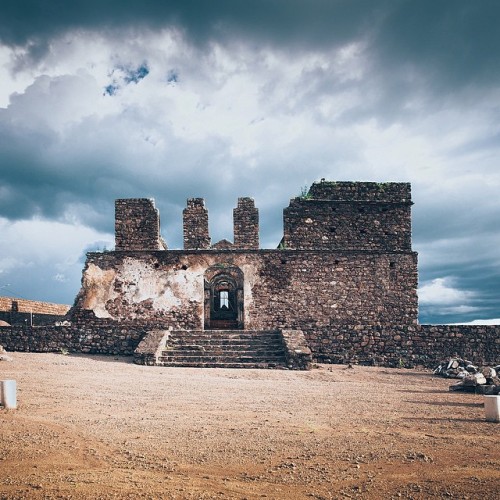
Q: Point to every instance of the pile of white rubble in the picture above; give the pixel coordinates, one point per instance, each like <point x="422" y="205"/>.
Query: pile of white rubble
<point x="481" y="380"/>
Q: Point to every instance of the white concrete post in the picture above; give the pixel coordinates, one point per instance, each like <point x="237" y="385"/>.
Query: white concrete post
<point x="8" y="397"/>
<point x="492" y="408"/>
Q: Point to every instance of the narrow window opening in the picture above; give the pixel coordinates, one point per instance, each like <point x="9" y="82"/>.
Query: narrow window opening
<point x="224" y="299"/>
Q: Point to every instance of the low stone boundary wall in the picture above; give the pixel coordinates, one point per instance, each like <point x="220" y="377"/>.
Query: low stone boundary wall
<point x="117" y="340"/>
<point x="31" y="312"/>
<point x="405" y="346"/>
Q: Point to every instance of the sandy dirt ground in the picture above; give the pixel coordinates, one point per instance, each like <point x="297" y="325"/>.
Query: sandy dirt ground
<point x="102" y="427"/>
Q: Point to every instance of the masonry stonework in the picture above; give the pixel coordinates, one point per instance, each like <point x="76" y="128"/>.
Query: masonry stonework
<point x="246" y="224"/>
<point x="195" y="218"/>
<point x="350" y="216"/>
<point x="137" y="225"/>
<point x="341" y="287"/>
<point x="30" y="312"/>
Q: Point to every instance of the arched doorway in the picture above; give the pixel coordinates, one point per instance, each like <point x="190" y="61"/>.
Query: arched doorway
<point x="223" y="298"/>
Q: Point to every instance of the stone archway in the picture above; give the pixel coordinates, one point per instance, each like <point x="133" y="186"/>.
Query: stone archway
<point x="223" y="298"/>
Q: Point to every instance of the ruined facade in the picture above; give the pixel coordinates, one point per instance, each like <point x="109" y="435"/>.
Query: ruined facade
<point x="345" y="257"/>
<point x="341" y="286"/>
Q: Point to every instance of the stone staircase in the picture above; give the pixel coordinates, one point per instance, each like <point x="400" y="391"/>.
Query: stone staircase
<point x="223" y="349"/>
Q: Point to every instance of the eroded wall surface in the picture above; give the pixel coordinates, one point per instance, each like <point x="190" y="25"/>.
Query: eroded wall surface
<point x="282" y="289"/>
<point x="350" y="216"/>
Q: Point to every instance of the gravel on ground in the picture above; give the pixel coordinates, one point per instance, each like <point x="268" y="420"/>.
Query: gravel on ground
<point x="102" y="427"/>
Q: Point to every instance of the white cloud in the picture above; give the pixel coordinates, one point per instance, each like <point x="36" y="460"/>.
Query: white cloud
<point x="53" y="252"/>
<point x="440" y="291"/>
<point x="494" y="321"/>
<point x="241" y="119"/>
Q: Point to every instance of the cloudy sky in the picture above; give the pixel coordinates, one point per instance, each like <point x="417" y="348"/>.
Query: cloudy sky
<point x="225" y="98"/>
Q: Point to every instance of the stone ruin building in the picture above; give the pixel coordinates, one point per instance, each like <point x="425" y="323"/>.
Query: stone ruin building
<point x="30" y="312"/>
<point x="341" y="287"/>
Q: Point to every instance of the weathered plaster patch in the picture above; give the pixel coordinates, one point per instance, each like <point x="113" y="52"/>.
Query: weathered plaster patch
<point x="251" y="273"/>
<point x="167" y="289"/>
<point x="98" y="286"/>
<point x="187" y="284"/>
<point x="143" y="282"/>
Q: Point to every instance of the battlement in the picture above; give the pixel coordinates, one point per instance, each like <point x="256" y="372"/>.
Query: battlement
<point x="195" y="225"/>
<point x="350" y="216"/>
<point x="246" y="224"/>
<point x="388" y="192"/>
<point x="137" y="225"/>
<point x="330" y="216"/>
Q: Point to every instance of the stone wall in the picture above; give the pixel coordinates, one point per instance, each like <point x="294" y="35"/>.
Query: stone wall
<point x="405" y="346"/>
<point x="8" y="304"/>
<point x="389" y="345"/>
<point x="388" y="192"/>
<point x="282" y="289"/>
<point x="195" y="225"/>
<point x="21" y="311"/>
<point x="137" y="225"/>
<point x="92" y="337"/>
<point x="246" y="224"/>
<point x="348" y="216"/>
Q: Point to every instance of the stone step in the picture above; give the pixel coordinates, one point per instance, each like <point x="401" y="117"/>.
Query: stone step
<point x="229" y="336"/>
<point x="225" y="344"/>
<point x="224" y="333"/>
<point x="228" y="356"/>
<point x="248" y="351"/>
<point x="224" y="349"/>
<point x="220" y="341"/>
<point x="180" y="358"/>
<point x="186" y="364"/>
<point x="240" y="344"/>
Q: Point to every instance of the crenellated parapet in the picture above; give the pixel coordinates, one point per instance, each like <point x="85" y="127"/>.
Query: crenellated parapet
<point x="195" y="225"/>
<point x="246" y="224"/>
<point x="349" y="191"/>
<point x="137" y="225"/>
<point x="350" y="216"/>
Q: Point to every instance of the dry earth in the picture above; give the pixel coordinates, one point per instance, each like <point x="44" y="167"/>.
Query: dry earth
<point x="102" y="427"/>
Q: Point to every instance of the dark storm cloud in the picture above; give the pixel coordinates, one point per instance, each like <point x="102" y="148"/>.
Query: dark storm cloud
<point x="454" y="41"/>
<point x="79" y="175"/>
<point x="315" y="22"/>
<point x="415" y="58"/>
